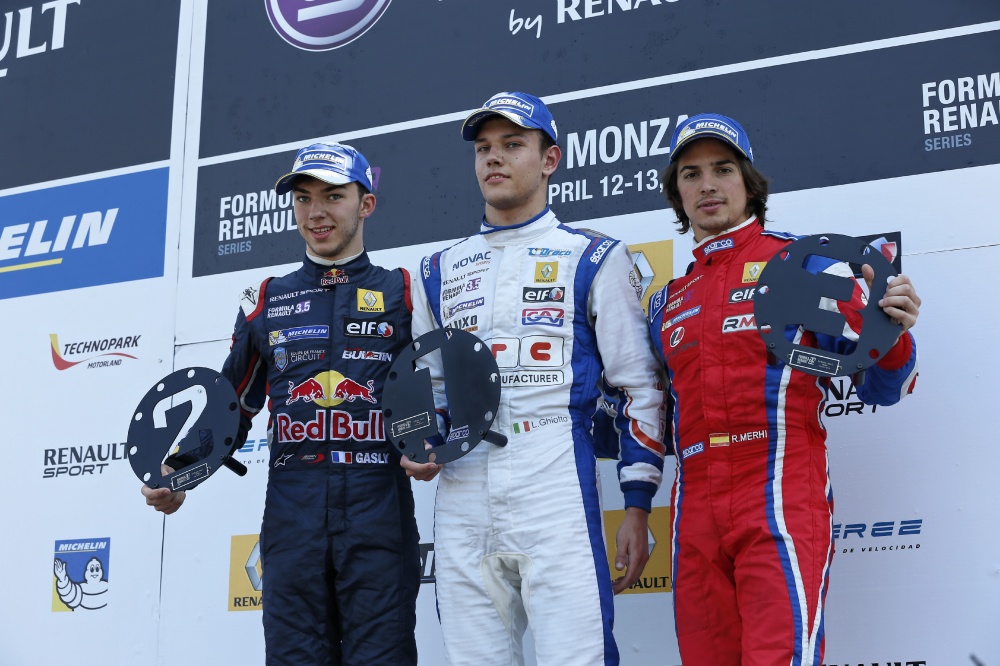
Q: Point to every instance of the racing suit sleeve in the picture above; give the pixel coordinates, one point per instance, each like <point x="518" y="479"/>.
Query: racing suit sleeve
<point x="631" y="377"/>
<point x="245" y="367"/>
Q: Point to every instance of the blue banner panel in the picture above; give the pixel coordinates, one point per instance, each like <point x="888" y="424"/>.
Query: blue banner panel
<point x="280" y="70"/>
<point x="87" y="86"/>
<point x="83" y="235"/>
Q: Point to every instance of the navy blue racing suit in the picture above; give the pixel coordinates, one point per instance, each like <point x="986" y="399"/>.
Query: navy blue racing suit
<point x="339" y="543"/>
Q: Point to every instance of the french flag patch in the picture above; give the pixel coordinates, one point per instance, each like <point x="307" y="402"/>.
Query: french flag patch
<point x="343" y="457"/>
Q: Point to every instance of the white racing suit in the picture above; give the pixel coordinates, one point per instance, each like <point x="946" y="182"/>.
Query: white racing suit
<point x="518" y="529"/>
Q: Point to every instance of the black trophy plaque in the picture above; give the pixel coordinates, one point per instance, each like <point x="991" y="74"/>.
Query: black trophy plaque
<point x="472" y="386"/>
<point x="789" y="293"/>
<point x="189" y="421"/>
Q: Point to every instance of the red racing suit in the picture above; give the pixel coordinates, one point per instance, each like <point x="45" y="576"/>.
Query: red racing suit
<point x="752" y="501"/>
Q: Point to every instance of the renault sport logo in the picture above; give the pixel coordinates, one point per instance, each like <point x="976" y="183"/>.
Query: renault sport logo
<point x="322" y="25"/>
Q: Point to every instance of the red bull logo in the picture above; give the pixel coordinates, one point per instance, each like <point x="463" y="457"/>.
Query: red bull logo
<point x="332" y="277"/>
<point x="332" y="425"/>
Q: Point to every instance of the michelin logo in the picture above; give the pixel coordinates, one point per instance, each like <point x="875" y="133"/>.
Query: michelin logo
<point x="511" y="102"/>
<point x="81" y="574"/>
<point x="716" y="125"/>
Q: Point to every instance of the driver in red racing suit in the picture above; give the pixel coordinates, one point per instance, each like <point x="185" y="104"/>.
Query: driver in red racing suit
<point x="752" y="502"/>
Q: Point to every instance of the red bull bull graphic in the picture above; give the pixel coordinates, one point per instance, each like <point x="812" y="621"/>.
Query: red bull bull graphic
<point x="310" y="390"/>
<point x="329" y="389"/>
<point x="331" y="425"/>
<point x="349" y="390"/>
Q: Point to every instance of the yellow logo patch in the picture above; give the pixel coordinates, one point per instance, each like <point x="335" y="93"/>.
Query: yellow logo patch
<point x="752" y="271"/>
<point x="246" y="577"/>
<point x="546" y="271"/>
<point x="656" y="576"/>
<point x="370" y="301"/>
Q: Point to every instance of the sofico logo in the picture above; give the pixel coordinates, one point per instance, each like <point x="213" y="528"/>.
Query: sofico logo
<point x="322" y="25"/>
<point x="83" y="235"/>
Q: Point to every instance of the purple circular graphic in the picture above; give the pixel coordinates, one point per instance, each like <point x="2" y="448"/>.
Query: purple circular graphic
<point x="322" y="25"/>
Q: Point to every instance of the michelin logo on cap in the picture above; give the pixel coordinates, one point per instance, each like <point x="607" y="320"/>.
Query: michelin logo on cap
<point x="512" y="102"/>
<point x="711" y="125"/>
<point x="332" y="160"/>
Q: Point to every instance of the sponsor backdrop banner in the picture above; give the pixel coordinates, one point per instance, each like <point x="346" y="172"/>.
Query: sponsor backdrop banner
<point x="875" y="120"/>
<point x="81" y="235"/>
<point x="87" y="86"/>
<point x="868" y="116"/>
<point x="420" y="58"/>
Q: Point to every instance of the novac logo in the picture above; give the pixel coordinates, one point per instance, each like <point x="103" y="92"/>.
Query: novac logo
<point x="322" y="25"/>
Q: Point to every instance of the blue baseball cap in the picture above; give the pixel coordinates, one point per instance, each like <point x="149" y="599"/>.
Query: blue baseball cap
<point x="334" y="163"/>
<point x="517" y="107"/>
<point x="713" y="126"/>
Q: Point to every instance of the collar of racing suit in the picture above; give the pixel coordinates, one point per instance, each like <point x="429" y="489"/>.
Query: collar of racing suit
<point x="321" y="274"/>
<point x="519" y="234"/>
<point x="722" y="246"/>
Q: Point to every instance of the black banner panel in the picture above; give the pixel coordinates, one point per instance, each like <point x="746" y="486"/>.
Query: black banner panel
<point x="302" y="68"/>
<point x="87" y="86"/>
<point x="919" y="108"/>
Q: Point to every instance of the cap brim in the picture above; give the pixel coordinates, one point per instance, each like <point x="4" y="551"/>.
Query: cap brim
<point x="471" y="125"/>
<point x="284" y="183"/>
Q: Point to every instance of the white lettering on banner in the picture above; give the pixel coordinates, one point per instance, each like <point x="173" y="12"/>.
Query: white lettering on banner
<point x="94" y="229"/>
<point x="961" y="102"/>
<point x="612" y="144"/>
<point x="516" y="23"/>
<point x="255" y="214"/>
<point x="24" y="47"/>
<point x="570" y="9"/>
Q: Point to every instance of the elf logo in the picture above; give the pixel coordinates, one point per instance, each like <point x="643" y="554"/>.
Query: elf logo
<point x="742" y="294"/>
<point x="544" y="295"/>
